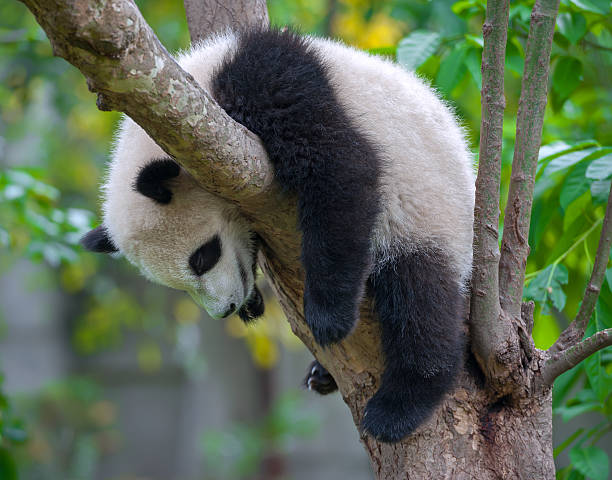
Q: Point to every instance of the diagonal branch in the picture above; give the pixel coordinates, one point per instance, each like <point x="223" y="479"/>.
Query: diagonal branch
<point x="532" y="103"/>
<point x="572" y="334"/>
<point x="488" y="328"/>
<point x="132" y="72"/>
<point x="563" y="360"/>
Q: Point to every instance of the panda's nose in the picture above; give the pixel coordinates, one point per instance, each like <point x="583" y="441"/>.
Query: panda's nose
<point x="230" y="311"/>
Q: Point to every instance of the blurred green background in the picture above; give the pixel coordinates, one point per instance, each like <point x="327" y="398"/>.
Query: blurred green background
<point x="104" y="376"/>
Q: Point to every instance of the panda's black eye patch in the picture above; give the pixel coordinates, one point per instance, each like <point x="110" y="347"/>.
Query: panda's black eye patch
<point x="205" y="257"/>
<point x="152" y="179"/>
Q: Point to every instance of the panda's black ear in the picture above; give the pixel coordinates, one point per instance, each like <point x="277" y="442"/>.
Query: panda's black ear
<point x="98" y="240"/>
<point x="152" y="179"/>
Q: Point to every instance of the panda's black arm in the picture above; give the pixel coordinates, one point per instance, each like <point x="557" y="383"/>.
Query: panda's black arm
<point x="278" y="87"/>
<point x="337" y="210"/>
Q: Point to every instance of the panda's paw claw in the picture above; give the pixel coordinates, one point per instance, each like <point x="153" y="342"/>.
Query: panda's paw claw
<point x="319" y="380"/>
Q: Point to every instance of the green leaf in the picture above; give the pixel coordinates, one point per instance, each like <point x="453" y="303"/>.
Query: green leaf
<point x="459" y="7"/>
<point x="609" y="278"/>
<point x="590" y="461"/>
<point x="600" y="169"/>
<point x="514" y="59"/>
<point x="24" y="179"/>
<point x="600" y="190"/>
<point x="548" y="153"/>
<point x="452" y="69"/>
<point x="604" y="314"/>
<point x="553" y="150"/>
<point x="416" y="48"/>
<point x="566" y="77"/>
<point x="8" y="469"/>
<point x="567" y="442"/>
<point x="474" y="41"/>
<point x="575" y="209"/>
<point x="575" y="185"/>
<point x="595" y="6"/>
<point x="564" y="383"/>
<point x="572" y="26"/>
<point x="567" y="413"/>
<point x="546" y="286"/>
<point x="472" y="62"/>
<point x="575" y="475"/>
<point x="593" y="367"/>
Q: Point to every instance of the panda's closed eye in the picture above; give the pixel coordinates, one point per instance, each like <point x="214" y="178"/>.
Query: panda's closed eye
<point x="205" y="257"/>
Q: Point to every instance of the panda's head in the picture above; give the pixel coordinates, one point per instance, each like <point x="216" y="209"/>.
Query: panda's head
<point x="175" y="232"/>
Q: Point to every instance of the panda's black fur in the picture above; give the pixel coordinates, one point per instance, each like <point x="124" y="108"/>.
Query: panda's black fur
<point x="278" y="85"/>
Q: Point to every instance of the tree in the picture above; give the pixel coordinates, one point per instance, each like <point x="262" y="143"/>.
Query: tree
<point x="497" y="423"/>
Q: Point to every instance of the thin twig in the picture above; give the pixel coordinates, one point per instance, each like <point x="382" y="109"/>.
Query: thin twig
<point x="532" y="103"/>
<point x="563" y="360"/>
<point x="572" y="334"/>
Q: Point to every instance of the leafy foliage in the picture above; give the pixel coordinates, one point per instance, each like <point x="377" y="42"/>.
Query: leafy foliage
<point x="71" y="427"/>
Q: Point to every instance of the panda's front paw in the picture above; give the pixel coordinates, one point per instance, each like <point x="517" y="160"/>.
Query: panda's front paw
<point x="329" y="324"/>
<point x="319" y="380"/>
<point x="253" y="308"/>
<point x="327" y="328"/>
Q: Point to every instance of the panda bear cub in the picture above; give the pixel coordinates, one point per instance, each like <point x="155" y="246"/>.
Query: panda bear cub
<point x="385" y="192"/>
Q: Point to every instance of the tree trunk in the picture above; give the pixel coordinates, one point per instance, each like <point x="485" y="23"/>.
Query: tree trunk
<point x="471" y="435"/>
<point x="472" y="438"/>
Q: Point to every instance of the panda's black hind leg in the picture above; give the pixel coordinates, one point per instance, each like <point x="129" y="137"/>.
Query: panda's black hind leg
<point x="419" y="306"/>
<point x="319" y="380"/>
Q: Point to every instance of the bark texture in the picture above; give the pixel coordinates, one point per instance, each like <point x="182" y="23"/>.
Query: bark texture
<point x="497" y="423"/>
<point x="532" y="103"/>
<point x="206" y="17"/>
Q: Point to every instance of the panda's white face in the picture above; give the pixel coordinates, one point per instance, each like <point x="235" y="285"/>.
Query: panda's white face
<point x="193" y="243"/>
<point x="175" y="232"/>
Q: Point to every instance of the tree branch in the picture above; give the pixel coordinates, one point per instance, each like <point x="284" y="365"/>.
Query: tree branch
<point x="489" y="330"/>
<point x="570" y="357"/>
<point x="575" y="331"/>
<point x="124" y="61"/>
<point x="205" y="17"/>
<point x="532" y="103"/>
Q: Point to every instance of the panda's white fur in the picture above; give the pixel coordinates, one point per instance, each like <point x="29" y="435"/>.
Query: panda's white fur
<point x="383" y="146"/>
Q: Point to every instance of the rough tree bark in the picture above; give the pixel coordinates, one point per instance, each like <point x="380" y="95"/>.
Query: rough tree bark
<point x="497" y="422"/>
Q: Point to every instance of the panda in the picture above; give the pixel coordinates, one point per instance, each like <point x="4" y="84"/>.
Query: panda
<point x="385" y="190"/>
